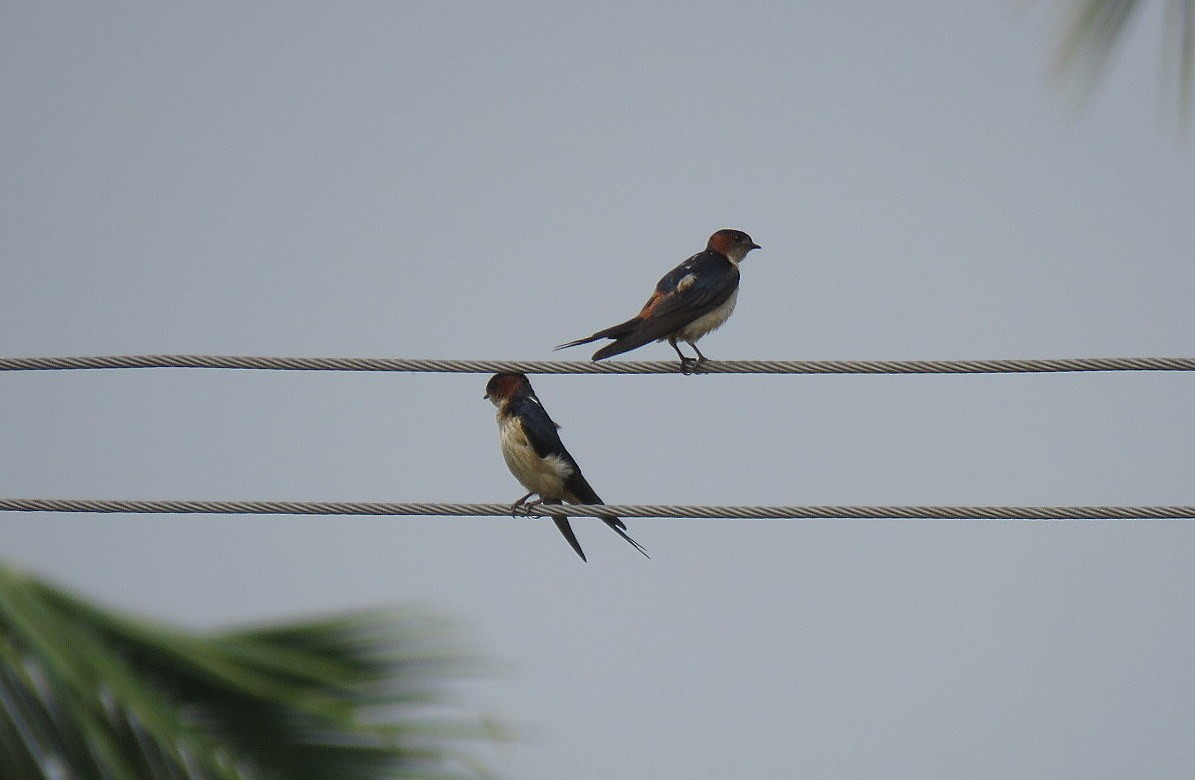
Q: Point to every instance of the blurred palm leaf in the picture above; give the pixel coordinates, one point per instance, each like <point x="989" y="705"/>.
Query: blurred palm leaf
<point x="88" y="693"/>
<point x="1096" y="27"/>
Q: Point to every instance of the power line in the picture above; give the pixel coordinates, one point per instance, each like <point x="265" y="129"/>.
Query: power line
<point x="610" y="367"/>
<point x="676" y="511"/>
<point x="615" y="367"/>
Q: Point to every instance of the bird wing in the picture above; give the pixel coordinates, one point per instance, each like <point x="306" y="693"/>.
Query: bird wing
<point x="694" y="288"/>
<point x="541" y="434"/>
<point x="540" y="431"/>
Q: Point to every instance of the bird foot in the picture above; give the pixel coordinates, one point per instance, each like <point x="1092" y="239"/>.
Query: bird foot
<point x="523" y="506"/>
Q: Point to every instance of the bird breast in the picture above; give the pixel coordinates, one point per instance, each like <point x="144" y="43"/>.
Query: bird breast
<point x="708" y="321"/>
<point x="543" y="476"/>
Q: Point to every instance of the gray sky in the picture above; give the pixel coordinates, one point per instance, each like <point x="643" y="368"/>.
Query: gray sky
<point x="385" y="179"/>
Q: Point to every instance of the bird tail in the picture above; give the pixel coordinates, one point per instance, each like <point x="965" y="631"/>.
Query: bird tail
<point x="621" y="330"/>
<point x="617" y="526"/>
<point x="570" y="537"/>
<point x="566" y="531"/>
<point x="584" y="494"/>
<point x="625" y="343"/>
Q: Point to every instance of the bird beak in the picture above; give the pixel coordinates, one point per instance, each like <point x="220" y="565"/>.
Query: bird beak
<point x="756" y="246"/>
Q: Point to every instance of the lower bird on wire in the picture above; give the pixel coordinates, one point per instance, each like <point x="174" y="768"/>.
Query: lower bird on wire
<point x="537" y="458"/>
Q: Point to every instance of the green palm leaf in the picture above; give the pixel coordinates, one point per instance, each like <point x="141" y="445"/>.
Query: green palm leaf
<point x="1095" y="28"/>
<point x="89" y="693"/>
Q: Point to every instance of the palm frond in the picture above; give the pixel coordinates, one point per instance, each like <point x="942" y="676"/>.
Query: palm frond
<point x="1095" y="30"/>
<point x="87" y="692"/>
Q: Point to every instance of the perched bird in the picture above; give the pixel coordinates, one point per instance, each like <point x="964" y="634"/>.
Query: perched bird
<point x="536" y="456"/>
<point x="690" y="301"/>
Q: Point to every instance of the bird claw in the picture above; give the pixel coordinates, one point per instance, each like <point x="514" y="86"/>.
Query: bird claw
<point x="522" y="509"/>
<point x="690" y="365"/>
<point x="523" y="506"/>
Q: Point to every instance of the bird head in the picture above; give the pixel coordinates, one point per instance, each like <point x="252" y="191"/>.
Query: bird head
<point x="735" y="244"/>
<point x="503" y="387"/>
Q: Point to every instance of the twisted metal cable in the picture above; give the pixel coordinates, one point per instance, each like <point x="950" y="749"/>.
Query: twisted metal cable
<point x="610" y="367"/>
<point x="679" y="511"/>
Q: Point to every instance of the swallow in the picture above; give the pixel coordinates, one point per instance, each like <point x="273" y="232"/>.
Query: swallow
<point x="537" y="458"/>
<point x="690" y="301"/>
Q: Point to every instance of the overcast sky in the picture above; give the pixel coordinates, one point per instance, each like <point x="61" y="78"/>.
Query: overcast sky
<point x="486" y="181"/>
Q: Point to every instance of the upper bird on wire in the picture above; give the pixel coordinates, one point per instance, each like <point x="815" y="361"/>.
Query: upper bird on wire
<point x="690" y="301"/>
